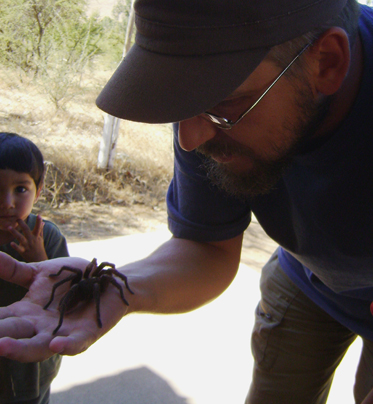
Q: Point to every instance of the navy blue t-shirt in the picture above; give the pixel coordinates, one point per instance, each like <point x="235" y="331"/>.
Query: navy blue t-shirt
<point x="320" y="212"/>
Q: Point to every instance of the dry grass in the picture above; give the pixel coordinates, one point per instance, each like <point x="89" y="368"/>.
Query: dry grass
<point x="70" y="138"/>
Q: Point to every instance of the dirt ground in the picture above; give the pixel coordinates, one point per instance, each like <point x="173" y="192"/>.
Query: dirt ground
<point x="83" y="221"/>
<point x="86" y="221"/>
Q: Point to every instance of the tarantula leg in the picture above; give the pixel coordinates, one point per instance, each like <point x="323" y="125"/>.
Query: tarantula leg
<point x="100" y="269"/>
<point x="91" y="266"/>
<point x="123" y="277"/>
<point x="62" y="312"/>
<point x="56" y="285"/>
<point x="64" y="305"/>
<point x="105" y="264"/>
<point x="66" y="268"/>
<point x="116" y="284"/>
<point x="62" y="308"/>
<point x="96" y="295"/>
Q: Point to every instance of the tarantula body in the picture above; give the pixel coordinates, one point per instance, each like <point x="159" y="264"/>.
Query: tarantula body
<point x="85" y="286"/>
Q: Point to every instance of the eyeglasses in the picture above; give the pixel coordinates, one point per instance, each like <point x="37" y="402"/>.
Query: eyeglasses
<point x="227" y="124"/>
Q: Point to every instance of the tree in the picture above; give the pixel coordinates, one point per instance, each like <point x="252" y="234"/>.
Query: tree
<point x="110" y="132"/>
<point x="73" y="47"/>
<point x="53" y="40"/>
<point x="29" y="27"/>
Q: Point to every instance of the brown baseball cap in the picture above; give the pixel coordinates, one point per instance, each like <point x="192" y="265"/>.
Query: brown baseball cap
<point x="191" y="54"/>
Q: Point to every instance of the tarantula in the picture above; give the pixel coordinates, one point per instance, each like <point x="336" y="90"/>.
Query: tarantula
<point x="85" y="286"/>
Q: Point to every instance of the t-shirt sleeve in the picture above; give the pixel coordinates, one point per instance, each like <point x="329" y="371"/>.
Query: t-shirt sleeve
<point x="54" y="241"/>
<point x="198" y="210"/>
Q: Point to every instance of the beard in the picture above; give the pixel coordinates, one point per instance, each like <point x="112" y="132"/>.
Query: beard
<point x="264" y="174"/>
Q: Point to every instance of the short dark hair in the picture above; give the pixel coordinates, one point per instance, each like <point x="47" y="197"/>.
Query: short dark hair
<point x="21" y="155"/>
<point x="347" y="19"/>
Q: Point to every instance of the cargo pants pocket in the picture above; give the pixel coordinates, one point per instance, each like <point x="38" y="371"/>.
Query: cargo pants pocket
<point x="277" y="294"/>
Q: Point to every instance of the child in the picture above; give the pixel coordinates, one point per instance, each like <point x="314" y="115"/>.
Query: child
<point x="27" y="238"/>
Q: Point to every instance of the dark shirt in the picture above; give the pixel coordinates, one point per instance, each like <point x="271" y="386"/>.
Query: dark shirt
<point x="22" y="381"/>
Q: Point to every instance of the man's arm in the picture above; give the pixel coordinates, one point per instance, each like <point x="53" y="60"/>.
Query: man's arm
<point x="179" y="276"/>
<point x="182" y="275"/>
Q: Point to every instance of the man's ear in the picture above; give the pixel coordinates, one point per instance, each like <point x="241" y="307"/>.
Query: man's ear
<point x="330" y="60"/>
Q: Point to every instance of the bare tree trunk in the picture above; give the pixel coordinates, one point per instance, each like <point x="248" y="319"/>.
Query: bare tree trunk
<point x="110" y="131"/>
<point x="109" y="139"/>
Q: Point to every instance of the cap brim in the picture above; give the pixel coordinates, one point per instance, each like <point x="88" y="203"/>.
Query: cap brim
<point x="155" y="88"/>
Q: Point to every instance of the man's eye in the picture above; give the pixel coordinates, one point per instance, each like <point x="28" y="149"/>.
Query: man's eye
<point x="234" y="104"/>
<point x="230" y="103"/>
<point x="21" y="189"/>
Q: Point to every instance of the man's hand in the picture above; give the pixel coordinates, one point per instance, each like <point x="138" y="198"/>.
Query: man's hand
<point x="26" y="329"/>
<point x="31" y="243"/>
<point x="179" y="276"/>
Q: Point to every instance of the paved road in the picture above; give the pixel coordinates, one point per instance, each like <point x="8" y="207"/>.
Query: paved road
<point x="201" y="357"/>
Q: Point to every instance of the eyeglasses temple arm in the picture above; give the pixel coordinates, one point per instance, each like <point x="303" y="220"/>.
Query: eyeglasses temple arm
<point x="274" y="82"/>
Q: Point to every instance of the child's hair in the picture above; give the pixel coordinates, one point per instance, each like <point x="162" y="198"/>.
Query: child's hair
<point x="21" y="155"/>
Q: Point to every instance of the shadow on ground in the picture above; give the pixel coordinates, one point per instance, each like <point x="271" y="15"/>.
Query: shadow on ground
<point x="257" y="247"/>
<point x="140" y="386"/>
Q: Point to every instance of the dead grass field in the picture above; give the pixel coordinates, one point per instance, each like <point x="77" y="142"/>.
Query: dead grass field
<point x="84" y="203"/>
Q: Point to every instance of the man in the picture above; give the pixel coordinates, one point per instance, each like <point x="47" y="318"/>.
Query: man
<point x="274" y="104"/>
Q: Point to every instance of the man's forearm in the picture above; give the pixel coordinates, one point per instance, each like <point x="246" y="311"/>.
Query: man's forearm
<point x="178" y="277"/>
<point x="182" y="275"/>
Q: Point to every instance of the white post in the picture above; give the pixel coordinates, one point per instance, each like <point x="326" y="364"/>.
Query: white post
<point x="110" y="131"/>
<point x="108" y="142"/>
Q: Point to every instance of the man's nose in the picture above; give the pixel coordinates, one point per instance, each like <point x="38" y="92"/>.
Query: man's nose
<point x="195" y="131"/>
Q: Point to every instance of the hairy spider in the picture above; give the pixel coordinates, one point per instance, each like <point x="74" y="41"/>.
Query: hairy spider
<point x="87" y="285"/>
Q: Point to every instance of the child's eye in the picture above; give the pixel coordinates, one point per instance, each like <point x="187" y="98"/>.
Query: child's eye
<point x="21" y="189"/>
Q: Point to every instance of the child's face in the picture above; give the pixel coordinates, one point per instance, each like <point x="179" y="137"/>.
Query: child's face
<point x="18" y="194"/>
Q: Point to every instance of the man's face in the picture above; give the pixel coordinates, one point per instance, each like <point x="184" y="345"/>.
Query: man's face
<point x="249" y="159"/>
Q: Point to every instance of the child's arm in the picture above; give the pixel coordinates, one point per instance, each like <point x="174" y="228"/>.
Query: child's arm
<point x="31" y="242"/>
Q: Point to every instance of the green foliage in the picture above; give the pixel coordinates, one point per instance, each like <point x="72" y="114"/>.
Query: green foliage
<point x="113" y="41"/>
<point x="55" y="41"/>
<point x="115" y="31"/>
<point x="70" y="50"/>
<point x="29" y="27"/>
<point x="121" y="10"/>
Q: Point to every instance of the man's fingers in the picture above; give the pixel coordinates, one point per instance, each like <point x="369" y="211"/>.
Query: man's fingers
<point x="14" y="271"/>
<point x="26" y="350"/>
<point x="77" y="342"/>
<point x="34" y="349"/>
<point x="15" y="327"/>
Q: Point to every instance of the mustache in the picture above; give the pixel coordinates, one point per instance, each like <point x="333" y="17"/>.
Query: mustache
<point x="218" y="148"/>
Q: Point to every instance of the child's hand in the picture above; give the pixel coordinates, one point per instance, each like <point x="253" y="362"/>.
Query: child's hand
<point x="31" y="243"/>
